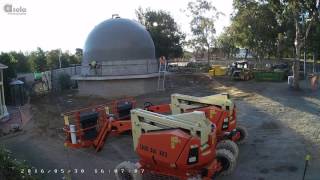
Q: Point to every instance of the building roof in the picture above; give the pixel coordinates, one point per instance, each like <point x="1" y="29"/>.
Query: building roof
<point x="16" y="82"/>
<point x="2" y="66"/>
<point x="118" y="39"/>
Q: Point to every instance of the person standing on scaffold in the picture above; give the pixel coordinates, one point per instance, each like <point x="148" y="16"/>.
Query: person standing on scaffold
<point x="163" y="64"/>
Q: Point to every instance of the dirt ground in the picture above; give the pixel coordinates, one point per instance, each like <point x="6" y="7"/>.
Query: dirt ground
<point x="284" y="126"/>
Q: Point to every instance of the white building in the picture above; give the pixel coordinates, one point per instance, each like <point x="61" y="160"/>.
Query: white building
<point x="3" y="108"/>
<point x="242" y="53"/>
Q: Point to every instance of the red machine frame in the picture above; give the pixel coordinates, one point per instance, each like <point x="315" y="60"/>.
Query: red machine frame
<point x="207" y="164"/>
<point x="107" y="124"/>
<point x="225" y="130"/>
<point x="177" y="147"/>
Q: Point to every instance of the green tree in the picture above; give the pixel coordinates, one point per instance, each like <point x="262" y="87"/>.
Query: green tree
<point x="20" y="61"/>
<point x="254" y="27"/>
<point x="226" y="42"/>
<point x="37" y="60"/>
<point x="9" y="60"/>
<point x="302" y="10"/>
<point x="313" y="42"/>
<point x="74" y="59"/>
<point x="52" y="59"/>
<point x="303" y="14"/>
<point x="65" y="59"/>
<point x="164" y="31"/>
<point x="78" y="55"/>
<point x="203" y="15"/>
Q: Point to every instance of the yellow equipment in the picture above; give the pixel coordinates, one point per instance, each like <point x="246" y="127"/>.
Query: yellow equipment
<point x="218" y="70"/>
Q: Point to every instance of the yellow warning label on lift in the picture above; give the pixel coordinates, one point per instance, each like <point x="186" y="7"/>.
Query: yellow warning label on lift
<point x="308" y="157"/>
<point x="174" y="141"/>
<point x="66" y="120"/>
<point x="212" y="113"/>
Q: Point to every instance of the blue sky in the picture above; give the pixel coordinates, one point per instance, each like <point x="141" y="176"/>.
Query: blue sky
<point x="65" y="24"/>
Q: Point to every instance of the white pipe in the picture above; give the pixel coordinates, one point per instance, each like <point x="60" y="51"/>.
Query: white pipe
<point x="73" y="134"/>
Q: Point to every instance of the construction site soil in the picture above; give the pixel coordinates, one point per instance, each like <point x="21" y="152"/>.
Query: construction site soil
<point x="283" y="126"/>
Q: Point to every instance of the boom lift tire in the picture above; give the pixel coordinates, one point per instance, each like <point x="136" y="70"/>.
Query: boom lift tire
<point x="227" y="160"/>
<point x="243" y="134"/>
<point x="229" y="145"/>
<point x="127" y="171"/>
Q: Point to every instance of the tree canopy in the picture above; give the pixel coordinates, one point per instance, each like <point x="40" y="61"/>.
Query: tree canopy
<point x="38" y="60"/>
<point x="274" y="28"/>
<point x="166" y="35"/>
<point x="203" y="16"/>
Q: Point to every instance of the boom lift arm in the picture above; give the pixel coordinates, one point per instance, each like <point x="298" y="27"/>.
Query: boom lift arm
<point x="219" y="109"/>
<point x="181" y="146"/>
<point x="194" y="122"/>
<point x="180" y="103"/>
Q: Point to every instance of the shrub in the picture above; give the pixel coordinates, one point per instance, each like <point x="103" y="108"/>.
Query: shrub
<point x="12" y="169"/>
<point x="65" y="81"/>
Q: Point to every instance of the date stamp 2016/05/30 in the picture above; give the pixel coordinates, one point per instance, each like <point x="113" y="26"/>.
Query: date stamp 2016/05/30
<point x="97" y="171"/>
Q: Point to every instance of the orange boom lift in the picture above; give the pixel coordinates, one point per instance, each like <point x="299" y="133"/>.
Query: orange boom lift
<point x="219" y="109"/>
<point x="90" y="126"/>
<point x="181" y="146"/>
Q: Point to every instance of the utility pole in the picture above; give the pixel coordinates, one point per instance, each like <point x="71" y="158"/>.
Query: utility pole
<point x="59" y="58"/>
<point x="304" y="48"/>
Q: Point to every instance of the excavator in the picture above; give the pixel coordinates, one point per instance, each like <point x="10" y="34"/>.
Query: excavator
<point x="179" y="146"/>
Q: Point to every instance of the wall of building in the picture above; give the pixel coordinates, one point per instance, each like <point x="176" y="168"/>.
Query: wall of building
<point x="117" y="88"/>
<point x="119" y="68"/>
<point x="103" y="88"/>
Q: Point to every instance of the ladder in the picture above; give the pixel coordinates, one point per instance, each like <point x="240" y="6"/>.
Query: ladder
<point x="162" y="76"/>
